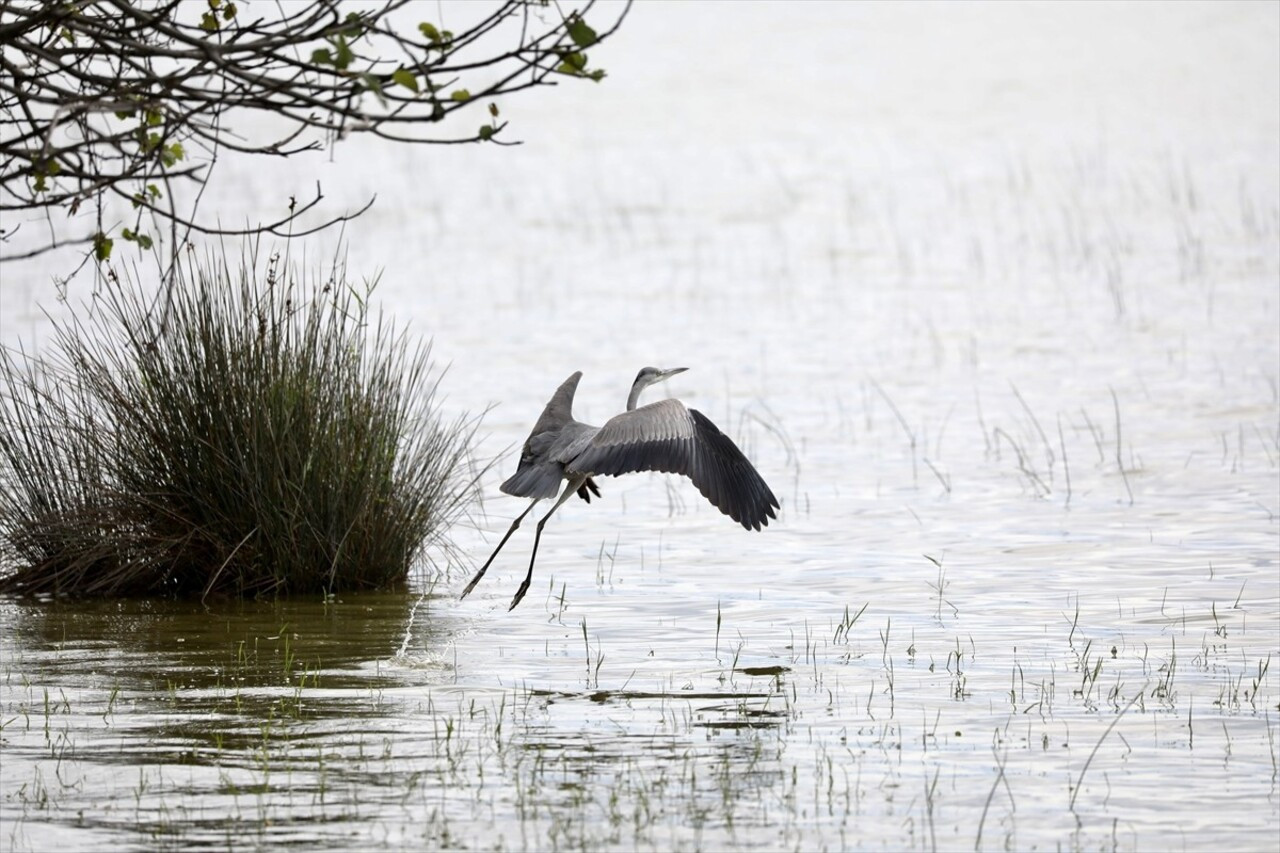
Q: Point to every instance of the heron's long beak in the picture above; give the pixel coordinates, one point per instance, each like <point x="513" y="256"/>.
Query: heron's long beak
<point x="667" y="374"/>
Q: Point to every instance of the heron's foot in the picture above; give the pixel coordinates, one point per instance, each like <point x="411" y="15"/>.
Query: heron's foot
<point x="475" y="580"/>
<point x="524" y="587"/>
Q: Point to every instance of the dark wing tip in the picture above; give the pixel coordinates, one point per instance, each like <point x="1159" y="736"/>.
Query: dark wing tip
<point x="708" y="457"/>
<point x="727" y="478"/>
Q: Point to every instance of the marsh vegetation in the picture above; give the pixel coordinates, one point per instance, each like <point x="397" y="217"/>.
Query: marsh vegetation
<point x="243" y="431"/>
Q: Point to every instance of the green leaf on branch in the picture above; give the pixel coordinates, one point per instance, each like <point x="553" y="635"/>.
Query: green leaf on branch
<point x="344" y="55"/>
<point x="375" y="86"/>
<point x="321" y="56"/>
<point x="171" y="154"/>
<point x="572" y="62"/>
<point x="143" y="241"/>
<point x="461" y="95"/>
<point x="209" y="22"/>
<point x="438" y="38"/>
<point x="354" y="25"/>
<point x="404" y="77"/>
<point x="101" y="246"/>
<point x="43" y="170"/>
<point x="582" y="35"/>
<point x="229" y="12"/>
<point x="486" y="131"/>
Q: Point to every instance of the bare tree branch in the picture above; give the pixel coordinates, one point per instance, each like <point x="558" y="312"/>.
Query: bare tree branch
<point x="134" y="101"/>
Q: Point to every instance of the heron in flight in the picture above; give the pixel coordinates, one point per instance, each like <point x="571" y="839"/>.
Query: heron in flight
<point x="661" y="436"/>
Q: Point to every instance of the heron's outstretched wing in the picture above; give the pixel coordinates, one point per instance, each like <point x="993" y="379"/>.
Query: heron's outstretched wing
<point x="666" y="436"/>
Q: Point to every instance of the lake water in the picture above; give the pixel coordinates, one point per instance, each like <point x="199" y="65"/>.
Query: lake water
<point x="991" y="296"/>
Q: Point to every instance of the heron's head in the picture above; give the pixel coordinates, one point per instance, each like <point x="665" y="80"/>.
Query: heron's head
<point x="646" y="377"/>
<point x="649" y="375"/>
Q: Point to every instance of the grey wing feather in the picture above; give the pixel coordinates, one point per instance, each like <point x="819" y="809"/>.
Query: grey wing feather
<point x="559" y="409"/>
<point x="665" y="436"/>
<point x="722" y="468"/>
<point x="541" y="469"/>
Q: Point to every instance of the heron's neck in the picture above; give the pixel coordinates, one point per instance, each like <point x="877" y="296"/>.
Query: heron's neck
<point x="635" y="395"/>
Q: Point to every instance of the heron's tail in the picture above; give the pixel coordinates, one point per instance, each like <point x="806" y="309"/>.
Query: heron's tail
<point x="535" y="480"/>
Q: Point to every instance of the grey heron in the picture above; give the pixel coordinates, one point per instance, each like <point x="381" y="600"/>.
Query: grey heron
<point x="662" y="436"/>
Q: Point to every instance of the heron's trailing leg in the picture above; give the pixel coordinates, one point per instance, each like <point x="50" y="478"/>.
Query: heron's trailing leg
<point x="475" y="580"/>
<point x="575" y="483"/>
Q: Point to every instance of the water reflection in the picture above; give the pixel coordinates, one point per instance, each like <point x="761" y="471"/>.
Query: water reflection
<point x="272" y="722"/>
<point x="150" y="644"/>
<point x="186" y="712"/>
<point x="188" y="684"/>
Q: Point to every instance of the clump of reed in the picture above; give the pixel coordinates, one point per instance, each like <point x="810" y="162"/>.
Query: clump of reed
<point x="242" y="434"/>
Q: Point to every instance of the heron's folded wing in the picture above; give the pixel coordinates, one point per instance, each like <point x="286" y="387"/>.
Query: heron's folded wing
<point x="665" y="436"/>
